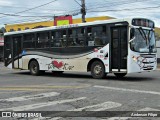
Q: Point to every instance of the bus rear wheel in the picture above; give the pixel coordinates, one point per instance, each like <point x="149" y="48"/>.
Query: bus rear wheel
<point x="97" y="70"/>
<point x="120" y="75"/>
<point x="34" y="68"/>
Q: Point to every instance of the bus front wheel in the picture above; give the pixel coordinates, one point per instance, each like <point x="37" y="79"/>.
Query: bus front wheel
<point x="97" y="70"/>
<point x="119" y="75"/>
<point x="34" y="68"/>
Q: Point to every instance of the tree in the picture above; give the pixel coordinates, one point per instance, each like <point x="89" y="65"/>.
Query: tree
<point x="3" y="30"/>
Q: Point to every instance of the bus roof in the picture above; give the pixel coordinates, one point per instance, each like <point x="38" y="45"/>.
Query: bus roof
<point x="69" y="26"/>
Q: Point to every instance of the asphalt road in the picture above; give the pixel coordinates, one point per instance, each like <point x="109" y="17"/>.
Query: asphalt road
<point x="20" y="91"/>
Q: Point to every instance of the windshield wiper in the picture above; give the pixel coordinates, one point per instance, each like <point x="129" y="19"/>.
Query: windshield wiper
<point x="149" y="38"/>
<point x="143" y="34"/>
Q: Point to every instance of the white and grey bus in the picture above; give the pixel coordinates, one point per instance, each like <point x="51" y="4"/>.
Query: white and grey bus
<point x="118" y="46"/>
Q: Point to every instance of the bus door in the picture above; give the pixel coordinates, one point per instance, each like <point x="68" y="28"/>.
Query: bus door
<point x="119" y="49"/>
<point x="16" y="52"/>
<point x="7" y="51"/>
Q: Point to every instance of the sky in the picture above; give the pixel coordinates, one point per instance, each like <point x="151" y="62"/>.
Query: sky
<point x="26" y="11"/>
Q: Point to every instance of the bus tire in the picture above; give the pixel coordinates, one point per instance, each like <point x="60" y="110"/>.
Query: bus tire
<point x="98" y="70"/>
<point x="34" y="68"/>
<point x="120" y="75"/>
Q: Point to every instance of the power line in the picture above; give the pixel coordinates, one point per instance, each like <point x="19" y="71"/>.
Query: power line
<point x="16" y="15"/>
<point x="18" y="7"/>
<point x="114" y="3"/>
<point x="76" y="11"/>
<point x="111" y="10"/>
<point x="127" y="9"/>
<point x="34" y="7"/>
<point x="30" y="21"/>
<point x="27" y="20"/>
<point x="72" y="12"/>
<point x="32" y="18"/>
<point x="6" y="14"/>
<point x="78" y="3"/>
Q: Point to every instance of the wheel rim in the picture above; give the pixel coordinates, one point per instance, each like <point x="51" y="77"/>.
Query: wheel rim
<point x="97" y="70"/>
<point x="34" y="68"/>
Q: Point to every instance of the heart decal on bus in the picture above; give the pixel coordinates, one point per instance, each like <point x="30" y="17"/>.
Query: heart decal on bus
<point x="57" y="64"/>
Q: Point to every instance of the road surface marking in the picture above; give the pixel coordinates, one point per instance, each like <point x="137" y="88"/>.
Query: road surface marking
<point x="31" y="97"/>
<point x="97" y="107"/>
<point x="40" y="105"/>
<point x="128" y="90"/>
<point x="118" y="118"/>
<point x="5" y="91"/>
<point x="148" y="109"/>
<point x="126" y="118"/>
<point x="20" y="89"/>
<point x="37" y="88"/>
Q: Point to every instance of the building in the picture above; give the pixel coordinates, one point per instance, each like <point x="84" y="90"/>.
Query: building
<point x="60" y="21"/>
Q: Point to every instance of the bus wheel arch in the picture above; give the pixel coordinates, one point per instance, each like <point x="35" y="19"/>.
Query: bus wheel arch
<point x="34" y="68"/>
<point x="96" y="64"/>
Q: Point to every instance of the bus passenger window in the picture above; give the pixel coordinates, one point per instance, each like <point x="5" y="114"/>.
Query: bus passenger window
<point x="59" y="38"/>
<point x="104" y="38"/>
<point x="52" y="40"/>
<point x="55" y="41"/>
<point x="99" y="35"/>
<point x="89" y="29"/>
<point x="76" y="37"/>
<point x="70" y="38"/>
<point x="29" y="41"/>
<point x="43" y="40"/>
<point x="63" y="38"/>
<point x="81" y="36"/>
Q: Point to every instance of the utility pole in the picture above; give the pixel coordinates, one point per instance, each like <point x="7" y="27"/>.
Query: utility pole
<point x="83" y="11"/>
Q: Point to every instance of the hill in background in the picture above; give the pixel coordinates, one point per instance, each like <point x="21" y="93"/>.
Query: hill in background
<point x="157" y="31"/>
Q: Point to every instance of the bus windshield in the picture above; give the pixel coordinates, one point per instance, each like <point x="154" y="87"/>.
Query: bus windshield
<point x="143" y="41"/>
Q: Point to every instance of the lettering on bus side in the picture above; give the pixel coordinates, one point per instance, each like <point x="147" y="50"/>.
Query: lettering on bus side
<point x="59" y="65"/>
<point x="100" y="56"/>
<point x="67" y="26"/>
<point x="67" y="67"/>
